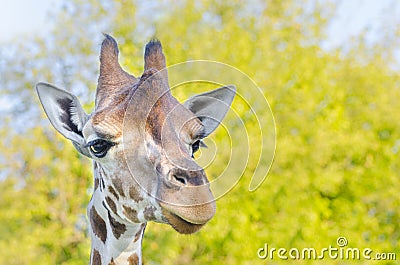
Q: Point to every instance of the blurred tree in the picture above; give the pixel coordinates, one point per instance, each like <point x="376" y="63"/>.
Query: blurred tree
<point x="336" y="167"/>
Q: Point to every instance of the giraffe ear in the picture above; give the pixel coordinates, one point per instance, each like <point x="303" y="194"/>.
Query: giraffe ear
<point x="211" y="107"/>
<point x="65" y="113"/>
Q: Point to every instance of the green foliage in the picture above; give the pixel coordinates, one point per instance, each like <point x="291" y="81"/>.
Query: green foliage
<point x="42" y="201"/>
<point x="335" y="171"/>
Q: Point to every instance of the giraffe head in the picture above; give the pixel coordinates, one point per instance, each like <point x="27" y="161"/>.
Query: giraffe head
<point x="142" y="140"/>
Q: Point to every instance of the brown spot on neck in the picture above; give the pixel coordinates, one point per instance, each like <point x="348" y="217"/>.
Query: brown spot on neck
<point x="98" y="225"/>
<point x="131" y="214"/>
<point x="96" y="178"/>
<point x="96" y="258"/>
<point x="113" y="192"/>
<point x="112" y="205"/>
<point x="149" y="214"/>
<point x="117" y="228"/>
<point x="96" y="183"/>
<point x="118" y="186"/>
<point x="133" y="259"/>
<point x="134" y="194"/>
<point x="140" y="232"/>
<point x="112" y="262"/>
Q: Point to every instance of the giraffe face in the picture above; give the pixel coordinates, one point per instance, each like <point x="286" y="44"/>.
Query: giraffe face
<point x="142" y="140"/>
<point x="150" y="152"/>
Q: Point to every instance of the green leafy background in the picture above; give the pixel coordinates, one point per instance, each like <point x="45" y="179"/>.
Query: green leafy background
<point x="336" y="166"/>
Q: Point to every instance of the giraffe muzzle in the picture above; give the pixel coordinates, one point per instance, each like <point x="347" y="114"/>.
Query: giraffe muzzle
<point x="186" y="200"/>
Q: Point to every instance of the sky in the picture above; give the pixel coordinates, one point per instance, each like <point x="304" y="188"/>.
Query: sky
<point x="19" y="18"/>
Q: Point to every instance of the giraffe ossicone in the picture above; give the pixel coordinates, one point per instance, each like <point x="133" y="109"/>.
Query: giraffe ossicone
<point x="141" y="141"/>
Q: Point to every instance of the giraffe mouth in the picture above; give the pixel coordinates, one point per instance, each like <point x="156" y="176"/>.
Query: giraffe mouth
<point x="180" y="224"/>
<point x="187" y="209"/>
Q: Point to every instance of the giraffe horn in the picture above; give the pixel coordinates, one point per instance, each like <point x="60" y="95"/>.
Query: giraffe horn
<point x="112" y="76"/>
<point x="154" y="58"/>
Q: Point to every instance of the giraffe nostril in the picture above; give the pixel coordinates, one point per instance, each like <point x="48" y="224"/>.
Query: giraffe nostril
<point x="179" y="179"/>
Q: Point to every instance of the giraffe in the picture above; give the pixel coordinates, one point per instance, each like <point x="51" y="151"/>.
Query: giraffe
<point x="141" y="141"/>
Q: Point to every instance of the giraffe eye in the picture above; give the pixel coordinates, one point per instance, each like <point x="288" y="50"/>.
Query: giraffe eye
<point x="99" y="147"/>
<point x="195" y="147"/>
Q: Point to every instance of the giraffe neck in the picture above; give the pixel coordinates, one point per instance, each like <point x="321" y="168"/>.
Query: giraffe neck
<point x="115" y="240"/>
